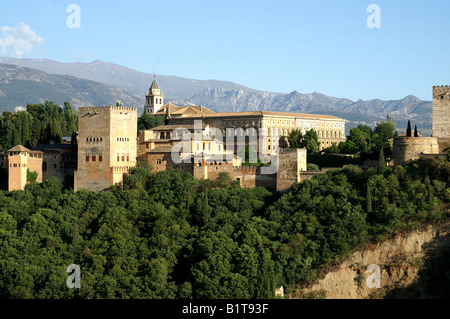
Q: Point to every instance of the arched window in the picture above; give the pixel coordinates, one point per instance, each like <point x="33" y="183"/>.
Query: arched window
<point x="44" y="166"/>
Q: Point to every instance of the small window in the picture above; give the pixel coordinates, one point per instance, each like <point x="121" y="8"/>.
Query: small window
<point x="100" y="158"/>
<point x="93" y="158"/>
<point x="128" y="158"/>
<point x="118" y="158"/>
<point x="87" y="158"/>
<point x="123" y="158"/>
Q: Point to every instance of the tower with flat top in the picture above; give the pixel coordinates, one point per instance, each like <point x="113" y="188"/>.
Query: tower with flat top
<point x="106" y="146"/>
<point x="441" y="115"/>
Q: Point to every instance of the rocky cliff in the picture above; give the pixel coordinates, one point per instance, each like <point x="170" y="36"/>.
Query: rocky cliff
<point x="412" y="265"/>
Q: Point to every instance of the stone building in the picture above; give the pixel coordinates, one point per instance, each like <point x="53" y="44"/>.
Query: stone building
<point x="409" y="148"/>
<point x="198" y="151"/>
<point x="107" y="146"/>
<point x="330" y="129"/>
<point x="441" y="115"/>
<point x="46" y="160"/>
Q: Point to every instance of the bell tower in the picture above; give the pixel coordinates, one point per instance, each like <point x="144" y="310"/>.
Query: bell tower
<point x="154" y="100"/>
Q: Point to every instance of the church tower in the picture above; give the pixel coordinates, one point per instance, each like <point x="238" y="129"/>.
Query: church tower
<point x="154" y="100"/>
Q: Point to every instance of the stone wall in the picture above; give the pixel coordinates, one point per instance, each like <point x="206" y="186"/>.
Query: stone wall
<point x="291" y="162"/>
<point x="406" y="149"/>
<point x="441" y="112"/>
<point x="107" y="146"/>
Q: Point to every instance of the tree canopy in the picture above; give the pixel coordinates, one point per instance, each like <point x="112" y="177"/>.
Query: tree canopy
<point x="168" y="235"/>
<point x="39" y="124"/>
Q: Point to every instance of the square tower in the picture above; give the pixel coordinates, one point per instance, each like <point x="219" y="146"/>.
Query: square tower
<point x="106" y="146"/>
<point x="17" y="170"/>
<point x="154" y="100"/>
<point x="441" y="115"/>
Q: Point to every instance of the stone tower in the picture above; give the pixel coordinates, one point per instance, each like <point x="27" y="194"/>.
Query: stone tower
<point x="106" y="146"/>
<point x="441" y="115"/>
<point x="154" y="100"/>
<point x="291" y="162"/>
<point x="17" y="174"/>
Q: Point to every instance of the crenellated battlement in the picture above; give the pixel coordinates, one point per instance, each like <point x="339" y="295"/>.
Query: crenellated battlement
<point x="441" y="114"/>
<point x="252" y="168"/>
<point x="440" y="86"/>
<point x="439" y="90"/>
<point x="106" y="108"/>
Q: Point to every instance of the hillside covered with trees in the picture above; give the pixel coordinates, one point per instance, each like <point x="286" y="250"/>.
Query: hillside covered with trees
<point x="38" y="124"/>
<point x="167" y="235"/>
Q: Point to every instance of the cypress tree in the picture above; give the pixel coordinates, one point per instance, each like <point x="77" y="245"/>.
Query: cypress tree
<point x="266" y="286"/>
<point x="381" y="162"/>
<point x="416" y="134"/>
<point x="408" y="129"/>
<point x="167" y="117"/>
<point x="369" y="199"/>
<point x="206" y="208"/>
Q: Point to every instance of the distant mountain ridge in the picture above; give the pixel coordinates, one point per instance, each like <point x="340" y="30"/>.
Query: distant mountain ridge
<point x="20" y="86"/>
<point x="228" y="96"/>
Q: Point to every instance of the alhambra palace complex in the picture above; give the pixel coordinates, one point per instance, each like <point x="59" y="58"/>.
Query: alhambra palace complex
<point x="109" y="144"/>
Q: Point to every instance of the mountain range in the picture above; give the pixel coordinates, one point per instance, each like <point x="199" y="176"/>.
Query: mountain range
<point x="25" y="81"/>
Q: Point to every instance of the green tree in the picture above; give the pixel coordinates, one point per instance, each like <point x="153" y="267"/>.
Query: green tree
<point x="408" y="129"/>
<point x="295" y="139"/>
<point x="311" y="141"/>
<point x="368" y="199"/>
<point x="149" y="121"/>
<point x="381" y="166"/>
<point x="31" y="176"/>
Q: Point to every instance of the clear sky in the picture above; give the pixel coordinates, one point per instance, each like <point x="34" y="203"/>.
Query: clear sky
<point x="321" y="46"/>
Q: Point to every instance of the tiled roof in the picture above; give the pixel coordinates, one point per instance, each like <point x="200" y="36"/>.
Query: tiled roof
<point x="154" y="85"/>
<point x="266" y="113"/>
<point x="19" y="148"/>
<point x="161" y="149"/>
<point x="174" y="110"/>
<point x="171" y="127"/>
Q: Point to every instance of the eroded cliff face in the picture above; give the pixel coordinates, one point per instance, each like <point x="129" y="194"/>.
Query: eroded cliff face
<point x="411" y="265"/>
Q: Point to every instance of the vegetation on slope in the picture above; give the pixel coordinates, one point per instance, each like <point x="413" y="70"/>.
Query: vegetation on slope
<point x="167" y="235"/>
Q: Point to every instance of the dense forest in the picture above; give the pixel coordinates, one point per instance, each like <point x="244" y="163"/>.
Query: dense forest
<point x="167" y="235"/>
<point x="38" y="124"/>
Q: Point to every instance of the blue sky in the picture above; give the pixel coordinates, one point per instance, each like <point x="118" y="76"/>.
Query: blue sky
<point x="273" y="45"/>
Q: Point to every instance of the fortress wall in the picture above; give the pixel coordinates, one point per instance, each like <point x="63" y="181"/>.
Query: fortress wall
<point x="406" y="149"/>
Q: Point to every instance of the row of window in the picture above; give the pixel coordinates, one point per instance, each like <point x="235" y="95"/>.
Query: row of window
<point x="44" y="165"/>
<point x="123" y="158"/>
<point x="94" y="139"/>
<point x="123" y="139"/>
<point x="17" y="165"/>
<point x="209" y="147"/>
<point x="93" y="158"/>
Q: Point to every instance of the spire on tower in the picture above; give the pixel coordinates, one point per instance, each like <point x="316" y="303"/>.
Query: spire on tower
<point x="154" y="85"/>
